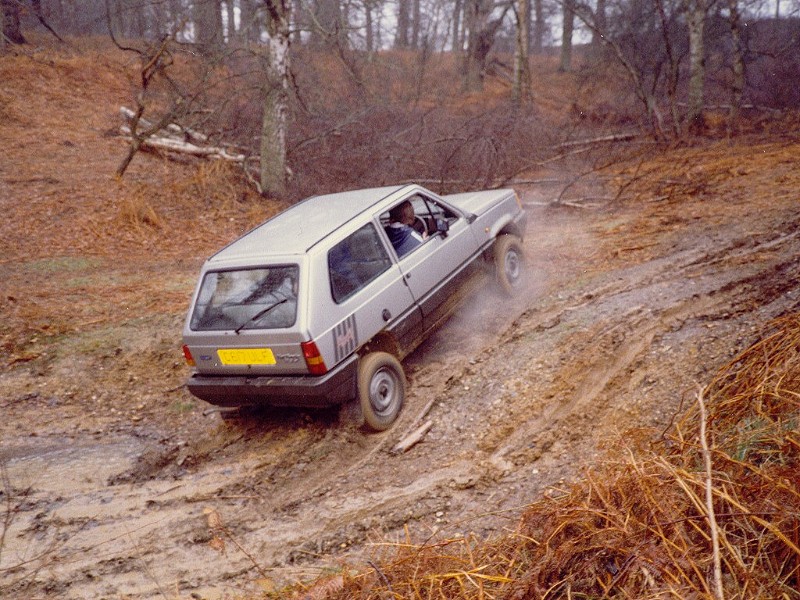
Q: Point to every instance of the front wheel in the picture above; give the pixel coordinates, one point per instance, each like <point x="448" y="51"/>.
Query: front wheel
<point x="381" y="389"/>
<point x="509" y="262"/>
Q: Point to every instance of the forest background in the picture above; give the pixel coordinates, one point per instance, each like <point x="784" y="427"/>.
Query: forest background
<point x="320" y="95"/>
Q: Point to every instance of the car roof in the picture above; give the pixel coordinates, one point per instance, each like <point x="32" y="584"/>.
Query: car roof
<point x="303" y="225"/>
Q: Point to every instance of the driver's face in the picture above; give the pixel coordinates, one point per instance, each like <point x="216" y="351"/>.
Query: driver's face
<point x="408" y="215"/>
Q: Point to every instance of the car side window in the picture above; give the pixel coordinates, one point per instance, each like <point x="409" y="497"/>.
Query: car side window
<point x="415" y="220"/>
<point x="356" y="261"/>
<point x="430" y="210"/>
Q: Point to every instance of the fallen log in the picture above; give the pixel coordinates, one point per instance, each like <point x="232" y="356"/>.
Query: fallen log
<point x="173" y="145"/>
<point x="177" y="130"/>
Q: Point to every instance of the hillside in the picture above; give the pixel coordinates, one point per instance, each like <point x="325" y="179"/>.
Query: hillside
<point x="115" y="482"/>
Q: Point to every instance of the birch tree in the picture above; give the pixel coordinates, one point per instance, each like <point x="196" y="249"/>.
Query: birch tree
<point x="696" y="18"/>
<point x="273" y="171"/>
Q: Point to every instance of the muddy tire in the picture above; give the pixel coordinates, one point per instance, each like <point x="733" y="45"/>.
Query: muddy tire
<point x="509" y="263"/>
<point x="381" y="389"/>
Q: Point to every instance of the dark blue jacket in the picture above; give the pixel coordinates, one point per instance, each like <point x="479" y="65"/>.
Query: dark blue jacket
<point x="403" y="239"/>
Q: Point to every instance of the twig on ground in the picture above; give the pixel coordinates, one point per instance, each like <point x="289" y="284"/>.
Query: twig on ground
<point x="712" y="519"/>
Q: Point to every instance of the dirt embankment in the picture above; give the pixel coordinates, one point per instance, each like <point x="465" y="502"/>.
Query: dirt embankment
<point x="115" y="484"/>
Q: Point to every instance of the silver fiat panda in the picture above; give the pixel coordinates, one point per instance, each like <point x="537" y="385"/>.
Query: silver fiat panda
<point x="318" y="305"/>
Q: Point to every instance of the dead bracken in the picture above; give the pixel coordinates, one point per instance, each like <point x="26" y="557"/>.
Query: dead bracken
<point x="638" y="525"/>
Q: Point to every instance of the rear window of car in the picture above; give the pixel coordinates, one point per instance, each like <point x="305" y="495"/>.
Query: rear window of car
<point x="258" y="298"/>
<point x="356" y="261"/>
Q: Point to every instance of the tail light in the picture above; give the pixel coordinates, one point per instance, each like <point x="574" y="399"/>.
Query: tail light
<point x="187" y="354"/>
<point x="314" y="361"/>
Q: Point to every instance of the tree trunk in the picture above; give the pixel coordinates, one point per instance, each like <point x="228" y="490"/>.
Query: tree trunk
<point x="737" y="84"/>
<point x="273" y="169"/>
<point x="566" y="36"/>
<point x="208" y="25"/>
<point x="521" y="89"/>
<point x="369" y="26"/>
<point x="458" y="43"/>
<point x="479" y="40"/>
<point x="403" y="22"/>
<point x="328" y="24"/>
<point x="697" y="65"/>
<point x="600" y="25"/>
<point x="249" y="25"/>
<point x="416" y="24"/>
<point x="673" y="67"/>
<point x="11" y="27"/>
<point x="539" y="26"/>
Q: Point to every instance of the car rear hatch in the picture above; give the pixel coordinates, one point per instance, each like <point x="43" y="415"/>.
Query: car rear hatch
<point x="247" y="321"/>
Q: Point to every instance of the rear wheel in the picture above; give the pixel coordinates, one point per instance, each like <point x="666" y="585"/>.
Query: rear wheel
<point x="381" y="389"/>
<point x="509" y="262"/>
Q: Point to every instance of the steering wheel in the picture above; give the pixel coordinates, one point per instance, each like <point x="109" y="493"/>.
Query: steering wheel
<point x="419" y="225"/>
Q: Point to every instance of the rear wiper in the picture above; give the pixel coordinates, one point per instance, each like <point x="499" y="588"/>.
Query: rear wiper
<point x="259" y="314"/>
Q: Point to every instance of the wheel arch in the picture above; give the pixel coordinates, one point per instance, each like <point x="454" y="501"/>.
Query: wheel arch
<point x="507" y="225"/>
<point x="382" y="342"/>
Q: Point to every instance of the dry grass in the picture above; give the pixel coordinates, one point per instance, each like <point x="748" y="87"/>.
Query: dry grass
<point x="638" y="526"/>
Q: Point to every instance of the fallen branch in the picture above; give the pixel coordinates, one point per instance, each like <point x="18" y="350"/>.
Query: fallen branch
<point x="173" y="145"/>
<point x="184" y="132"/>
<point x="619" y="137"/>
<point x="176" y="139"/>
<point x="412" y="439"/>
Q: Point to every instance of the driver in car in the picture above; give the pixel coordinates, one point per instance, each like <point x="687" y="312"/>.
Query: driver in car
<point x="403" y="236"/>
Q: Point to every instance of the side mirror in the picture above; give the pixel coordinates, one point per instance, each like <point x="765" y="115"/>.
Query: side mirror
<point x="442" y="226"/>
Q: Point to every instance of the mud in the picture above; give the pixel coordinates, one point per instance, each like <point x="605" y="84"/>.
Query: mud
<point x="630" y="309"/>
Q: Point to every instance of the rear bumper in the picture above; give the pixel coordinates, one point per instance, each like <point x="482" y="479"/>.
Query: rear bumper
<point x="331" y="389"/>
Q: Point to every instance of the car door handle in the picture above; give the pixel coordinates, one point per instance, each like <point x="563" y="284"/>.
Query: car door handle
<point x="386" y="315"/>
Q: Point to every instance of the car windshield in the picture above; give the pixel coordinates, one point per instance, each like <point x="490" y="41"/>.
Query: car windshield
<point x="261" y="298"/>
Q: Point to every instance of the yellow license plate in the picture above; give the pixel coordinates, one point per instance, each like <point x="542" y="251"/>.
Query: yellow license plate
<point x="246" y="356"/>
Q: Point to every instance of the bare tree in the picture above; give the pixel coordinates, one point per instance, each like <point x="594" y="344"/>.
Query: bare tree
<point x="600" y="21"/>
<point x="696" y="18"/>
<point x="401" y="38"/>
<point x="327" y="23"/>
<point x="208" y="25"/>
<point x="539" y="26"/>
<point x="521" y="88"/>
<point x="673" y="65"/>
<point x="738" y="80"/>
<point x="416" y="24"/>
<point x="567" y="27"/>
<point x="250" y="25"/>
<point x="11" y="25"/>
<point x="274" y="129"/>
<point x="458" y="41"/>
<point x="369" y="27"/>
<point x="482" y="29"/>
<point x="155" y="61"/>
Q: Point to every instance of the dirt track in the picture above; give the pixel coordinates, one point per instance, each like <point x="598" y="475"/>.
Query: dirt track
<point x="631" y="307"/>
